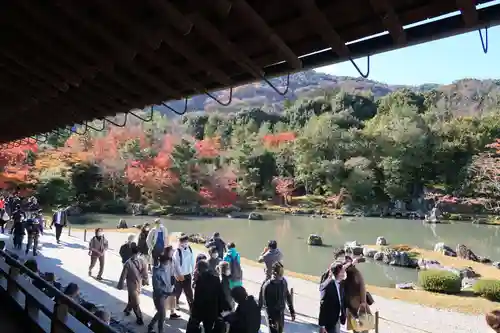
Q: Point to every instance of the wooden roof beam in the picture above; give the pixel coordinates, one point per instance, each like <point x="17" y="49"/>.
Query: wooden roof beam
<point x="178" y="45"/>
<point x="390" y="20"/>
<point x="227" y="47"/>
<point x="321" y="25"/>
<point x="258" y="23"/>
<point x="469" y="12"/>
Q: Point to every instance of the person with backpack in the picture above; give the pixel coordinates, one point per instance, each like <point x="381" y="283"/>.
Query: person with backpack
<point x="163" y="287"/>
<point x="274" y="297"/>
<point x="34" y="227"/>
<point x="184" y="267"/>
<point x="233" y="258"/>
<point x="157" y="241"/>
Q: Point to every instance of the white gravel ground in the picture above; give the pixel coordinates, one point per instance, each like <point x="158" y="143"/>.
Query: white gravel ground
<point x="69" y="262"/>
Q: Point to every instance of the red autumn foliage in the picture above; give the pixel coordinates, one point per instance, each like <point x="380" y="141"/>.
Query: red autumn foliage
<point x="284" y="187"/>
<point x="13" y="164"/>
<point x="275" y="140"/>
<point x="220" y="189"/>
<point x="208" y="148"/>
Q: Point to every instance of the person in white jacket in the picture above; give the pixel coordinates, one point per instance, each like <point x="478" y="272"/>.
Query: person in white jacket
<point x="157" y="241"/>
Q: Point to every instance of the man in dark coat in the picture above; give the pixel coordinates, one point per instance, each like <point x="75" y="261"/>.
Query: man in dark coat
<point x="332" y="311"/>
<point x="59" y="220"/>
<point x="218" y="243"/>
<point x="246" y="318"/>
<point x="209" y="300"/>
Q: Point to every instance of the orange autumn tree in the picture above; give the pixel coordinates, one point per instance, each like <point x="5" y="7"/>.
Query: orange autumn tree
<point x="275" y="140"/>
<point x="16" y="164"/>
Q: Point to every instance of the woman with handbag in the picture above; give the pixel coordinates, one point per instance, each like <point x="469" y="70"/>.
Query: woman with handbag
<point x="359" y="316"/>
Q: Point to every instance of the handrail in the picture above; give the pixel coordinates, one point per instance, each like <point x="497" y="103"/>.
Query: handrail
<point x="59" y="312"/>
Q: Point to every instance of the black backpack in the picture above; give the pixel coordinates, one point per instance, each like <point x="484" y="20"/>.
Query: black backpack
<point x="180" y="254"/>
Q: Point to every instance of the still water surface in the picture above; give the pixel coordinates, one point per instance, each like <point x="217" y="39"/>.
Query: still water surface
<point x="291" y="233"/>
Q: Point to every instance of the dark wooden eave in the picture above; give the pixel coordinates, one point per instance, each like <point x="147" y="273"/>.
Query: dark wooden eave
<point x="65" y="62"/>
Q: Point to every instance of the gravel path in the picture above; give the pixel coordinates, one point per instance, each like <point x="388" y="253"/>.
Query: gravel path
<point x="395" y="316"/>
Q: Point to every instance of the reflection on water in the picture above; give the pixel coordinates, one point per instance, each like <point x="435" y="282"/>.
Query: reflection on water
<point x="291" y="233"/>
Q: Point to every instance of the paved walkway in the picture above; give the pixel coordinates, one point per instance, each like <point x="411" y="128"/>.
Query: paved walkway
<point x="69" y="261"/>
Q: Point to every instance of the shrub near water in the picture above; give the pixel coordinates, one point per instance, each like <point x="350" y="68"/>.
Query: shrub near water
<point x="489" y="289"/>
<point x="440" y="281"/>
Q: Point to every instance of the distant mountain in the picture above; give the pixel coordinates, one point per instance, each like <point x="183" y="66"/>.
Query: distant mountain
<point x="463" y="97"/>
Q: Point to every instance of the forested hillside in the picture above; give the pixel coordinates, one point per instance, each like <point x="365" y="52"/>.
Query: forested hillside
<point x="467" y="96"/>
<point x="372" y="145"/>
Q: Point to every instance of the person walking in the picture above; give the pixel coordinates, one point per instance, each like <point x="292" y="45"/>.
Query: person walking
<point x="246" y="317"/>
<point x="4" y="217"/>
<point x="184" y="267"/>
<point x="270" y="256"/>
<point x="34" y="228"/>
<point x="135" y="273"/>
<point x="233" y="258"/>
<point x="224" y="272"/>
<point x="142" y="244"/>
<point x="213" y="260"/>
<point x="217" y="242"/>
<point x="59" y="221"/>
<point x="18" y="230"/>
<point x="126" y="249"/>
<point x="157" y="241"/>
<point x="163" y="287"/>
<point x="98" y="245"/>
<point x="332" y="310"/>
<point x="274" y="297"/>
<point x="209" y="302"/>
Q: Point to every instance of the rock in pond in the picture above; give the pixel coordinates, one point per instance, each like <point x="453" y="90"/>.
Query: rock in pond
<point x="381" y="241"/>
<point x="467" y="272"/>
<point x="496" y="264"/>
<point x="197" y="239"/>
<point x="314" y="240"/>
<point x="444" y="249"/>
<point x="379" y="256"/>
<point x="369" y="253"/>
<point x="354" y="248"/>
<point x="425" y="264"/>
<point x="255" y="216"/>
<point x="122" y="225"/>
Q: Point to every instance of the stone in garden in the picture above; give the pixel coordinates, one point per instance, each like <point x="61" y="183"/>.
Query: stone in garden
<point x="370" y="253"/>
<point x="444" y="249"/>
<point x="197" y="239"/>
<point x="381" y="241"/>
<point x="465" y="253"/>
<point x="496" y="264"/>
<point x="314" y="240"/>
<point x="467" y="272"/>
<point x="468" y="283"/>
<point x="255" y="216"/>
<point x="378" y="256"/>
<point x="405" y="286"/>
<point x="425" y="264"/>
<point x="122" y="224"/>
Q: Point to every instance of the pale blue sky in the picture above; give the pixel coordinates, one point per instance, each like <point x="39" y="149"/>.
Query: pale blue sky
<point x="441" y="61"/>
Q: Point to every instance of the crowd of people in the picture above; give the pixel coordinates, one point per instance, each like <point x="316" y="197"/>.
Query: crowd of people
<point x="213" y="284"/>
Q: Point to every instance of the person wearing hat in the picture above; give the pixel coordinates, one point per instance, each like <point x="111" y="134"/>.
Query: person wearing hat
<point x="157" y="241"/>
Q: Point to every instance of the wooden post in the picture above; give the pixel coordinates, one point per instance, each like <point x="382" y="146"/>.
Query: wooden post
<point x="58" y="317"/>
<point x="85" y="235"/>
<point x="31" y="307"/>
<point x="376" y="321"/>
<point x="291" y="293"/>
<point x="12" y="287"/>
<point x="69" y="230"/>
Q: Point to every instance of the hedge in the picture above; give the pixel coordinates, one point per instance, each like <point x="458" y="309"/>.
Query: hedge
<point x="440" y="281"/>
<point x="489" y="289"/>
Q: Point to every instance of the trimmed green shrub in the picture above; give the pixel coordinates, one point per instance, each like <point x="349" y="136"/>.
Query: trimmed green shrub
<point x="440" y="281"/>
<point x="489" y="289"/>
